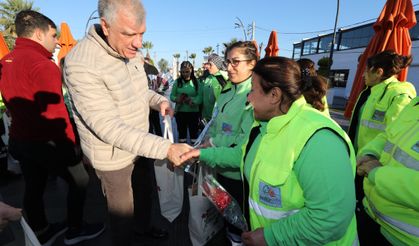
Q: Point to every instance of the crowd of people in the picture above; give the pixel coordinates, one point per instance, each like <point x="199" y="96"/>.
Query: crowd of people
<point x="298" y="177"/>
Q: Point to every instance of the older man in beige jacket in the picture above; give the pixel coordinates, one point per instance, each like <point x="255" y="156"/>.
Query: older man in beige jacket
<point x="111" y="103"/>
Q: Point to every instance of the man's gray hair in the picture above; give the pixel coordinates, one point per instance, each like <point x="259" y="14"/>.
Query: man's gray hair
<point x="108" y="9"/>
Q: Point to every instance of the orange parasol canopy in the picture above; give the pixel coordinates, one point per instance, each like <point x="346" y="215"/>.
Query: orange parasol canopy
<point x="391" y="33"/>
<point x="272" y="48"/>
<point x="4" y="49"/>
<point x="66" y="41"/>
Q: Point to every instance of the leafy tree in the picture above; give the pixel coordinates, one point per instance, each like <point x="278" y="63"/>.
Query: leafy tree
<point x="208" y="50"/>
<point x="324" y="64"/>
<point x="151" y="61"/>
<point x="148" y="46"/>
<point x="163" y="65"/>
<point x="8" y="11"/>
<point x="199" y="72"/>
<point x="193" y="56"/>
<point x="177" y="56"/>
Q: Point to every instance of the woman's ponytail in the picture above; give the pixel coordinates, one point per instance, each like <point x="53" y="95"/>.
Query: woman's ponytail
<point x="314" y="89"/>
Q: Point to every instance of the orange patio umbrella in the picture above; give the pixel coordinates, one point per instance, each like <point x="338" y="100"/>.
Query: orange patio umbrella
<point x="272" y="48"/>
<point x="66" y="41"/>
<point x="4" y="50"/>
<point x="391" y="33"/>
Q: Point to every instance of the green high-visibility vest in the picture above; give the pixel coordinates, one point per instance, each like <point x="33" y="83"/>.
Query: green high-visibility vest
<point x="392" y="197"/>
<point x="381" y="108"/>
<point x="273" y="167"/>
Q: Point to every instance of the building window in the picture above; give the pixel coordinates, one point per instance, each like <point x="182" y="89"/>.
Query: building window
<point x="297" y="51"/>
<point x="356" y="38"/>
<point x="325" y="43"/>
<point x="310" y="46"/>
<point x="339" y="77"/>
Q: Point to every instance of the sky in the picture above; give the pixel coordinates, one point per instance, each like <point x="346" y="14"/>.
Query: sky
<point x="187" y="27"/>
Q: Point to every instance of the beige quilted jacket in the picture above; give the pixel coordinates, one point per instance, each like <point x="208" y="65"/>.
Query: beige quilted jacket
<point x="111" y="103"/>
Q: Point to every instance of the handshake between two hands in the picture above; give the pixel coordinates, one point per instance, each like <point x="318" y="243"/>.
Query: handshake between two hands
<point x="180" y="154"/>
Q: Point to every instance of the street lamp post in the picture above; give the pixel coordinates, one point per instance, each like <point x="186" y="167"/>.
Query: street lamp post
<point x="91" y="17"/>
<point x="333" y="39"/>
<point x="240" y="25"/>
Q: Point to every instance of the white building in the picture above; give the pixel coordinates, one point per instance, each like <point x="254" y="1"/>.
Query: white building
<point x="350" y="43"/>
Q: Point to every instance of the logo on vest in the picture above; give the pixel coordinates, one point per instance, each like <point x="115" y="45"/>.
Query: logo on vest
<point x="415" y="147"/>
<point x="379" y="115"/>
<point x="227" y="128"/>
<point x="270" y="195"/>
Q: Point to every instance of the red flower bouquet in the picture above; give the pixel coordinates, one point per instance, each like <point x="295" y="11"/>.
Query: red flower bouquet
<point x="224" y="202"/>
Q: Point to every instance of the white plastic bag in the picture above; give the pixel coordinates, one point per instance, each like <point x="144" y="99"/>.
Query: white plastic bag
<point x="30" y="238"/>
<point x="204" y="220"/>
<point x="169" y="183"/>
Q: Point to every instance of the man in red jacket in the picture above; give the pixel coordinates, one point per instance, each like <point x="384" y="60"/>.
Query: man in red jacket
<point x="41" y="136"/>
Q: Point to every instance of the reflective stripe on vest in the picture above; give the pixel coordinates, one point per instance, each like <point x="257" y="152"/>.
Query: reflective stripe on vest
<point x="373" y="125"/>
<point x="356" y="241"/>
<point x="407" y="228"/>
<point x="402" y="156"/>
<point x="388" y="147"/>
<point x="269" y="213"/>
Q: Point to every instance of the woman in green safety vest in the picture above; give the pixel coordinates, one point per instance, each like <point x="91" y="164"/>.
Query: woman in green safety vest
<point x="233" y="118"/>
<point x="390" y="165"/>
<point x="382" y="100"/>
<point x="379" y="104"/>
<point x="299" y="164"/>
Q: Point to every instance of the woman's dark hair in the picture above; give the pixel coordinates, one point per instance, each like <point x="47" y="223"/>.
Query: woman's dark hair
<point x="205" y="75"/>
<point x="247" y="47"/>
<point x="285" y="74"/>
<point x="391" y="63"/>
<point x="313" y="91"/>
<point x="307" y="67"/>
<point x="180" y="81"/>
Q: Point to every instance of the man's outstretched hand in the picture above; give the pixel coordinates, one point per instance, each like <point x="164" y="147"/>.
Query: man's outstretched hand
<point x="176" y="151"/>
<point x="8" y="213"/>
<point x="192" y="154"/>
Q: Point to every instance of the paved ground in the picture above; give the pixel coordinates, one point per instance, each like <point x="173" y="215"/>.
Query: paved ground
<point x="95" y="211"/>
<point x="337" y="115"/>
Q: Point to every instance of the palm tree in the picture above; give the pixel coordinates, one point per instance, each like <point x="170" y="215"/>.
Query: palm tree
<point x="163" y="65"/>
<point x="148" y="46"/>
<point x="177" y="56"/>
<point x="193" y="56"/>
<point x="8" y="11"/>
<point x="208" y="50"/>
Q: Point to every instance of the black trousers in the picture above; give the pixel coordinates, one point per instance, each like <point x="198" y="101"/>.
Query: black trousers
<point x="38" y="160"/>
<point x="146" y="199"/>
<point x="187" y="121"/>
